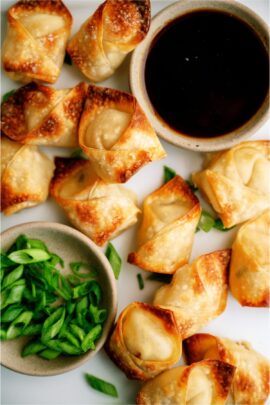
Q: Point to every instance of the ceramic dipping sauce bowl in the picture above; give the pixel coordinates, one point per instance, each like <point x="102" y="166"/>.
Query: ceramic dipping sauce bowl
<point x="209" y="118"/>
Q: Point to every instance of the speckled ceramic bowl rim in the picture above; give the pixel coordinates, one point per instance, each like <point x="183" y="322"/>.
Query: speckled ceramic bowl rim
<point x="107" y="269"/>
<point x="137" y="84"/>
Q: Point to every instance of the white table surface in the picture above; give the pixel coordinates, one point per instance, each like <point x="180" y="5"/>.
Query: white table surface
<point x="251" y="324"/>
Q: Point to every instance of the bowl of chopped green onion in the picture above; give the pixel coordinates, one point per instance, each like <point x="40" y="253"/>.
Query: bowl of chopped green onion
<point x="58" y="298"/>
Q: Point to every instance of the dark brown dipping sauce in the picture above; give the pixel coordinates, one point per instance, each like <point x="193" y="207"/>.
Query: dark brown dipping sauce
<point x="206" y="73"/>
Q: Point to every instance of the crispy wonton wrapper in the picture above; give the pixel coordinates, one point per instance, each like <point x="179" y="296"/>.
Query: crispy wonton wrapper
<point x="145" y="341"/>
<point x="170" y="218"/>
<point x="106" y="37"/>
<point x="198" y="292"/>
<point x="250" y="265"/>
<point x="251" y="380"/>
<point x="116" y="135"/>
<point x="25" y="176"/>
<point x="37" y="33"/>
<point x="40" y="115"/>
<point x="98" y="209"/>
<point x="207" y="382"/>
<point x="236" y="182"/>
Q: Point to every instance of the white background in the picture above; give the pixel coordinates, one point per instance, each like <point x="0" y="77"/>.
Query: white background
<point x="251" y="324"/>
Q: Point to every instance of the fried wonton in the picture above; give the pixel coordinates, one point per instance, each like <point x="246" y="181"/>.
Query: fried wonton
<point x="40" y="115"/>
<point x="198" y="292"/>
<point x="98" y="209"/>
<point x="145" y="341"/>
<point x="106" y="37"/>
<point x="116" y="135"/>
<point x="207" y="382"/>
<point x="25" y="176"/>
<point x="170" y="218"/>
<point x="236" y="182"/>
<point x="37" y="33"/>
<point x="251" y="380"/>
<point x="250" y="265"/>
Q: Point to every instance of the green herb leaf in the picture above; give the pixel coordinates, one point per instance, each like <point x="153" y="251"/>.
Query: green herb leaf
<point x="78" y="154"/>
<point x="12" y="312"/>
<point x="67" y="60"/>
<point x="206" y="222"/>
<point x="140" y="281"/>
<point x="11" y="277"/>
<point x="97" y="315"/>
<point x="6" y="96"/>
<point x="101" y="385"/>
<point x="53" y="324"/>
<point x="161" y="278"/>
<point x="192" y="185"/>
<point x="76" y="266"/>
<point x="114" y="259"/>
<point x="89" y="340"/>
<point x="32" y="347"/>
<point x="27" y="256"/>
<point x="220" y="227"/>
<point x="168" y="174"/>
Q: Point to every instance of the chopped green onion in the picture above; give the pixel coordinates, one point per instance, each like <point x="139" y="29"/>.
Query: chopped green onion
<point x="192" y="185"/>
<point x="76" y="266"/>
<point x="78" y="154"/>
<point x="53" y="324"/>
<point x="220" y="226"/>
<point x="16" y="327"/>
<point x="140" y="281"/>
<point x="114" y="259"/>
<point x="161" y="278"/>
<point x="27" y="256"/>
<point x="33" y="348"/>
<point x="6" y="96"/>
<point x="77" y="331"/>
<point x="89" y="340"/>
<point x="101" y="385"/>
<point x="11" y="313"/>
<point x="206" y="222"/>
<point x="49" y="354"/>
<point x="13" y="276"/>
<point x="168" y="174"/>
<point x="97" y="315"/>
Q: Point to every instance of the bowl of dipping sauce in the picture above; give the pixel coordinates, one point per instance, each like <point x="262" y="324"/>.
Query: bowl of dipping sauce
<point x="57" y="252"/>
<point x="202" y="73"/>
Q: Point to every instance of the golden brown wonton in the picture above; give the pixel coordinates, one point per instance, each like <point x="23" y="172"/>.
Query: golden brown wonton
<point x="170" y="218"/>
<point x="98" y="209"/>
<point x="40" y="115"/>
<point x="204" y="383"/>
<point x="25" y="176"/>
<point x="34" y="46"/>
<point x="237" y="181"/>
<point x="116" y="135"/>
<point x="198" y="292"/>
<point x="145" y="341"/>
<point x="251" y="380"/>
<point x="106" y="37"/>
<point x="250" y="265"/>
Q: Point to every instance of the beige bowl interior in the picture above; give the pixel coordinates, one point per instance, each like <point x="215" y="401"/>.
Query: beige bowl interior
<point x="71" y="246"/>
<point x="138" y="64"/>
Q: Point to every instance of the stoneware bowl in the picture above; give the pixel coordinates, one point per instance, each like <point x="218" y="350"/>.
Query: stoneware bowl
<point x="72" y="246"/>
<point x="137" y="67"/>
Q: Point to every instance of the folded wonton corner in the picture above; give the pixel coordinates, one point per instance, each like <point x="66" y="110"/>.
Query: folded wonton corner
<point x="145" y="341"/>
<point x="198" y="292"/>
<point x="40" y="115"/>
<point x="116" y="135"/>
<point x="98" y="209"/>
<point x="207" y="382"/>
<point x="25" y="176"/>
<point x="107" y="36"/>
<point x="34" y="46"/>
<point x="170" y="218"/>
<point x="250" y="264"/>
<point x="251" y="380"/>
<point x="236" y="181"/>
